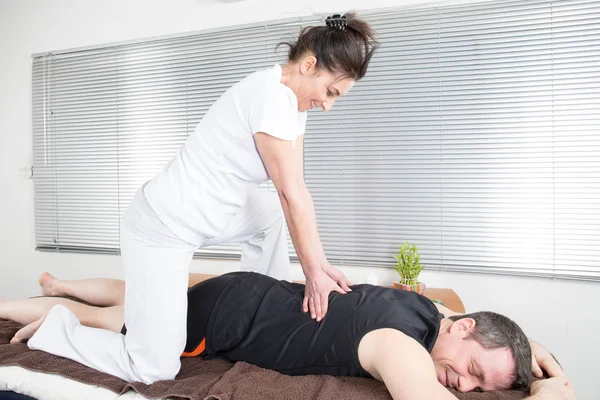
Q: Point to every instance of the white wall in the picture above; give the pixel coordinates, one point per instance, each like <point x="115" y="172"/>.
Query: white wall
<point x="560" y="314"/>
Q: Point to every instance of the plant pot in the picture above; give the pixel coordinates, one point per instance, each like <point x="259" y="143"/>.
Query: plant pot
<point x="417" y="287"/>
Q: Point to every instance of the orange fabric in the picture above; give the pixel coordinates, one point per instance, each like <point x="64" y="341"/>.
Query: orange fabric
<point x="197" y="351"/>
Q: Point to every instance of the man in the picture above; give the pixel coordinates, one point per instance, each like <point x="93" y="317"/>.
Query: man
<point x="401" y="338"/>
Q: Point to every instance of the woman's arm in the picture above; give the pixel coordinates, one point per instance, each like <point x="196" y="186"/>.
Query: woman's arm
<point x="334" y="273"/>
<point x="285" y="170"/>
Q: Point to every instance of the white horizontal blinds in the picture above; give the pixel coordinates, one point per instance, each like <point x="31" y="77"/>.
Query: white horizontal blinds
<point x="475" y="136"/>
<point x="576" y="107"/>
<point x="151" y="110"/>
<point x="507" y="125"/>
<point x="75" y="151"/>
<point x="46" y="224"/>
<point x="106" y="120"/>
<point x="373" y="162"/>
<point x="497" y="137"/>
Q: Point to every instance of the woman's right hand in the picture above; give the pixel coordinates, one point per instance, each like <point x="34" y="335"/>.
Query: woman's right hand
<point x="316" y="293"/>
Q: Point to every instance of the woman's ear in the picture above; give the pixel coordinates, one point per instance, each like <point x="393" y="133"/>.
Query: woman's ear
<point x="308" y="65"/>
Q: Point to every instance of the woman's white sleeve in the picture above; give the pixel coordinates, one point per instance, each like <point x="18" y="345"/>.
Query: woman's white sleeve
<point x="275" y="113"/>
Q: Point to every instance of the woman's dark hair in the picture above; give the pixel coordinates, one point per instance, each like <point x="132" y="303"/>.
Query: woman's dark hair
<point x="345" y="45"/>
<point x="493" y="331"/>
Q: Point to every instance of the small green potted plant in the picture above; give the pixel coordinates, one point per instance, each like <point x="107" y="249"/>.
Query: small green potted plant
<point x="409" y="267"/>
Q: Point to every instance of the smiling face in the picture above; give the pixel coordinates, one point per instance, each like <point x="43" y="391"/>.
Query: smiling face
<point x="464" y="364"/>
<point x="315" y="87"/>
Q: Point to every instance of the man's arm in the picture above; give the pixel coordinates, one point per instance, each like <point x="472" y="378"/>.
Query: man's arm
<point x="552" y="389"/>
<point x="402" y="364"/>
<point x="408" y="371"/>
<point x="543" y="360"/>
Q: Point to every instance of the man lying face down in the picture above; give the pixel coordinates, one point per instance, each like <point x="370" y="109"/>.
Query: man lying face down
<point x="414" y="346"/>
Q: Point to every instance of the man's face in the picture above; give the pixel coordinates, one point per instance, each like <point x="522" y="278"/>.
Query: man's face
<point x="464" y="365"/>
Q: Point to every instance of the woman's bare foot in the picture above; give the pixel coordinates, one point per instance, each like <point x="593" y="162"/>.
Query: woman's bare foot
<point x="27" y="331"/>
<point x="47" y="283"/>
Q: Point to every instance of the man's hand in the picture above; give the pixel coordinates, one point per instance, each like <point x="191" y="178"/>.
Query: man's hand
<point x="552" y="389"/>
<point x="316" y="293"/>
<point x="541" y="359"/>
<point x="338" y="277"/>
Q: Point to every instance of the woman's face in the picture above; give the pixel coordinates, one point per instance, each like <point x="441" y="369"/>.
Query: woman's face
<point x="319" y="87"/>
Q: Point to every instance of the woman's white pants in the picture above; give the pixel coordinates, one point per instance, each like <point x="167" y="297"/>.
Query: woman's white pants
<point x="156" y="274"/>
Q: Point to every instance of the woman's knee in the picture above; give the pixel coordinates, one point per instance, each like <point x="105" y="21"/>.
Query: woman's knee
<point x="149" y="369"/>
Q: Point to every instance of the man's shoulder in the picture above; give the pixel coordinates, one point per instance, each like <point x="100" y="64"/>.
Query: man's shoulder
<point x="380" y="344"/>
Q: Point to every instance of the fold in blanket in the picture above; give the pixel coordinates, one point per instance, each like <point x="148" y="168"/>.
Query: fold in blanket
<point x="201" y="379"/>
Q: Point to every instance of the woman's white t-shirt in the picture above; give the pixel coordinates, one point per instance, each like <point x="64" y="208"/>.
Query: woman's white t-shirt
<point x="210" y="178"/>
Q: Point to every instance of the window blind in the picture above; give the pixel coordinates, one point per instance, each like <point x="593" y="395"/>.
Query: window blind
<point x="108" y="119"/>
<point x="474" y="135"/>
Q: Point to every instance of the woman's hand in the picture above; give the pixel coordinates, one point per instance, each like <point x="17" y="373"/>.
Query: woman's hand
<point x="552" y="389"/>
<point x="338" y="277"/>
<point x="542" y="360"/>
<point x="316" y="293"/>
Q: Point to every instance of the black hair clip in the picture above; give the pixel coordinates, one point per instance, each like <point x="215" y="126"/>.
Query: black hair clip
<point x="336" y="21"/>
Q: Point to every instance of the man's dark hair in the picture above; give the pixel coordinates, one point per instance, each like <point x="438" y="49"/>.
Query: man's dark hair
<point x="494" y="331"/>
<point x="346" y="51"/>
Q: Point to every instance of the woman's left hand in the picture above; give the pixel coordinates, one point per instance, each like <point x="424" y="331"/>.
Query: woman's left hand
<point x="542" y="360"/>
<point x="338" y="276"/>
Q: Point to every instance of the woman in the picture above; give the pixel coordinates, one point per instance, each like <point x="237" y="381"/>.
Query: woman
<point x="207" y="195"/>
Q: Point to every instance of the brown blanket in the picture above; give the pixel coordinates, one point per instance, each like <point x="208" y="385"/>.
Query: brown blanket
<point x="213" y="379"/>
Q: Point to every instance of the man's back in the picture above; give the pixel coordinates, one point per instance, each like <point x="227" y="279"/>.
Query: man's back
<point x="259" y="320"/>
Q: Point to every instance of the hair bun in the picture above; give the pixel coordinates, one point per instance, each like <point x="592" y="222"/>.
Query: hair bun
<point x="336" y="21"/>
